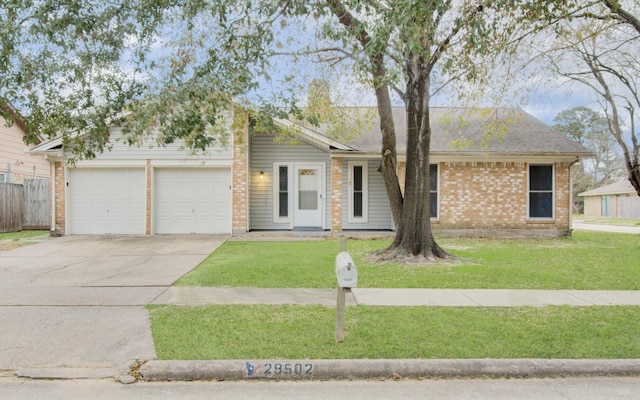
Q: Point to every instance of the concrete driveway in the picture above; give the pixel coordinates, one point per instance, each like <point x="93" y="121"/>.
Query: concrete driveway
<point x="76" y="303"/>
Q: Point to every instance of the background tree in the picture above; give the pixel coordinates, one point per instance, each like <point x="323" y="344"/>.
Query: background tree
<point x="591" y="129"/>
<point x="596" y="44"/>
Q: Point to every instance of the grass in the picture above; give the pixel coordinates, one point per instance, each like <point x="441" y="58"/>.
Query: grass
<point x="299" y="332"/>
<point x="587" y="261"/>
<point x="22" y="235"/>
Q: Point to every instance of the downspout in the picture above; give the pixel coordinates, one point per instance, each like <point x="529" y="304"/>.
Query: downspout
<point x="571" y="164"/>
<point x="52" y="194"/>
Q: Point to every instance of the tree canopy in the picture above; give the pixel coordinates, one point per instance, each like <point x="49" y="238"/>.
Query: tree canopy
<point x="591" y="129"/>
<point x="173" y="68"/>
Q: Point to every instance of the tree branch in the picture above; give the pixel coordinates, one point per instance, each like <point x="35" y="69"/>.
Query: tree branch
<point x="622" y="14"/>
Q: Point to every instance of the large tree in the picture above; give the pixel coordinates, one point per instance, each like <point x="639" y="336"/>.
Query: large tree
<point x="173" y="68"/>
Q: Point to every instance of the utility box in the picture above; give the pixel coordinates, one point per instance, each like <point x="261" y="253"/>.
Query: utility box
<point x="346" y="271"/>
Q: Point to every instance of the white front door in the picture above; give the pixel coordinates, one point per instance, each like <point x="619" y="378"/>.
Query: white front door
<point x="308" y="196"/>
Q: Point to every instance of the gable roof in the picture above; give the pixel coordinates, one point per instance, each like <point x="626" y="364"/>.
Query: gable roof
<point x="622" y="187"/>
<point x="53" y="146"/>
<point x="314" y="138"/>
<point x="462" y="131"/>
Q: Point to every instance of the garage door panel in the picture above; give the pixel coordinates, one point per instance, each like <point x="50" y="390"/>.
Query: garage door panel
<point x="107" y="201"/>
<point x="193" y="200"/>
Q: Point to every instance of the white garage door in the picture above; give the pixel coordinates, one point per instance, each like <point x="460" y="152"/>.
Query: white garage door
<point x="104" y="201"/>
<point x="192" y="200"/>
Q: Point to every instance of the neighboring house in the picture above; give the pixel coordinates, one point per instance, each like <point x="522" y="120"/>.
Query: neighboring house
<point x="518" y="185"/>
<point x="16" y="164"/>
<point x="618" y="199"/>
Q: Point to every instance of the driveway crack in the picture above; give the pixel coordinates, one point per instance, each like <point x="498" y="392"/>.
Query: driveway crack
<point x="37" y="276"/>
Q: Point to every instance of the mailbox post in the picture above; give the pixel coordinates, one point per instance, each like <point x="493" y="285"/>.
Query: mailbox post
<point x="347" y="276"/>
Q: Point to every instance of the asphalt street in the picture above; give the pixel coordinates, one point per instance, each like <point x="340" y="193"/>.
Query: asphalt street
<point x="480" y="389"/>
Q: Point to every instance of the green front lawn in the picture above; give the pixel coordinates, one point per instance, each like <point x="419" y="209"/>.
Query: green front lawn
<point x="587" y="261"/>
<point x="299" y="332"/>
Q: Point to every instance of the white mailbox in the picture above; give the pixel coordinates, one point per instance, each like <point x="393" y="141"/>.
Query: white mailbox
<point x="346" y="271"/>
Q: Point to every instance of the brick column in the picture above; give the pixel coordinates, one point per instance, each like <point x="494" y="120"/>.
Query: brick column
<point x="240" y="171"/>
<point x="336" y="195"/>
<point x="563" y="196"/>
<point x="60" y="185"/>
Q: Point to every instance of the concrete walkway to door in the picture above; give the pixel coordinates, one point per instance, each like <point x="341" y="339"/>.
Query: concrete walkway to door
<point x="76" y="303"/>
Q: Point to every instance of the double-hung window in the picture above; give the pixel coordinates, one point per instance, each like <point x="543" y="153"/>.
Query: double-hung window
<point x="282" y="192"/>
<point x="541" y="191"/>
<point x="433" y="191"/>
<point x="358" y="191"/>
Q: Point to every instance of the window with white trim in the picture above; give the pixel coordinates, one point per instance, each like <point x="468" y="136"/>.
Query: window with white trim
<point x="541" y="191"/>
<point x="433" y="191"/>
<point x="2" y="178"/>
<point x="282" y="196"/>
<point x="358" y="191"/>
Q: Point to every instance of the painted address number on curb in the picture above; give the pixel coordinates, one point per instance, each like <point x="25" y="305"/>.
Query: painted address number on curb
<point x="276" y="369"/>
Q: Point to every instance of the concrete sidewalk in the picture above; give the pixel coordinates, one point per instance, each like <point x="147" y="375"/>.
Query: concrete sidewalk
<point x="398" y="297"/>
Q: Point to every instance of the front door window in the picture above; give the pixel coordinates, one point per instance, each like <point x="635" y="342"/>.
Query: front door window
<point x="308" y="189"/>
<point x="308" y="196"/>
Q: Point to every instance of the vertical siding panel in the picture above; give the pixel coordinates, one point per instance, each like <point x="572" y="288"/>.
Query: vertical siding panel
<point x="264" y="153"/>
<point x="379" y="210"/>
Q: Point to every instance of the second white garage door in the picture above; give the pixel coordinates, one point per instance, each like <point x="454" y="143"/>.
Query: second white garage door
<point x="192" y="200"/>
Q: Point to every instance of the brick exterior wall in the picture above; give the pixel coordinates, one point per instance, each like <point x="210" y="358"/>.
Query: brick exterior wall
<point x="336" y="195"/>
<point x="592" y="206"/>
<point x="491" y="199"/>
<point x="59" y="185"/>
<point x="240" y="208"/>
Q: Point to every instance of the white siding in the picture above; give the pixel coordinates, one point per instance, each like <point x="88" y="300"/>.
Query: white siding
<point x="264" y="153"/>
<point x="150" y="150"/>
<point x="12" y="151"/>
<point x="379" y="212"/>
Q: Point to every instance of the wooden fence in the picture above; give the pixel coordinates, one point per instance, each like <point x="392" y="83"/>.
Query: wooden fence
<point x="11" y="207"/>
<point x="629" y="207"/>
<point x="37" y="204"/>
<point x="26" y="206"/>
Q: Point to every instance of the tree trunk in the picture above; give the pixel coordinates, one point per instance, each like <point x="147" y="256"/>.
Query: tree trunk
<point x="411" y="212"/>
<point x="414" y="238"/>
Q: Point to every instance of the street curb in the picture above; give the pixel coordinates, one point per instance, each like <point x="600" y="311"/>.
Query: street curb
<point x="223" y="370"/>
<point x="64" y="373"/>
